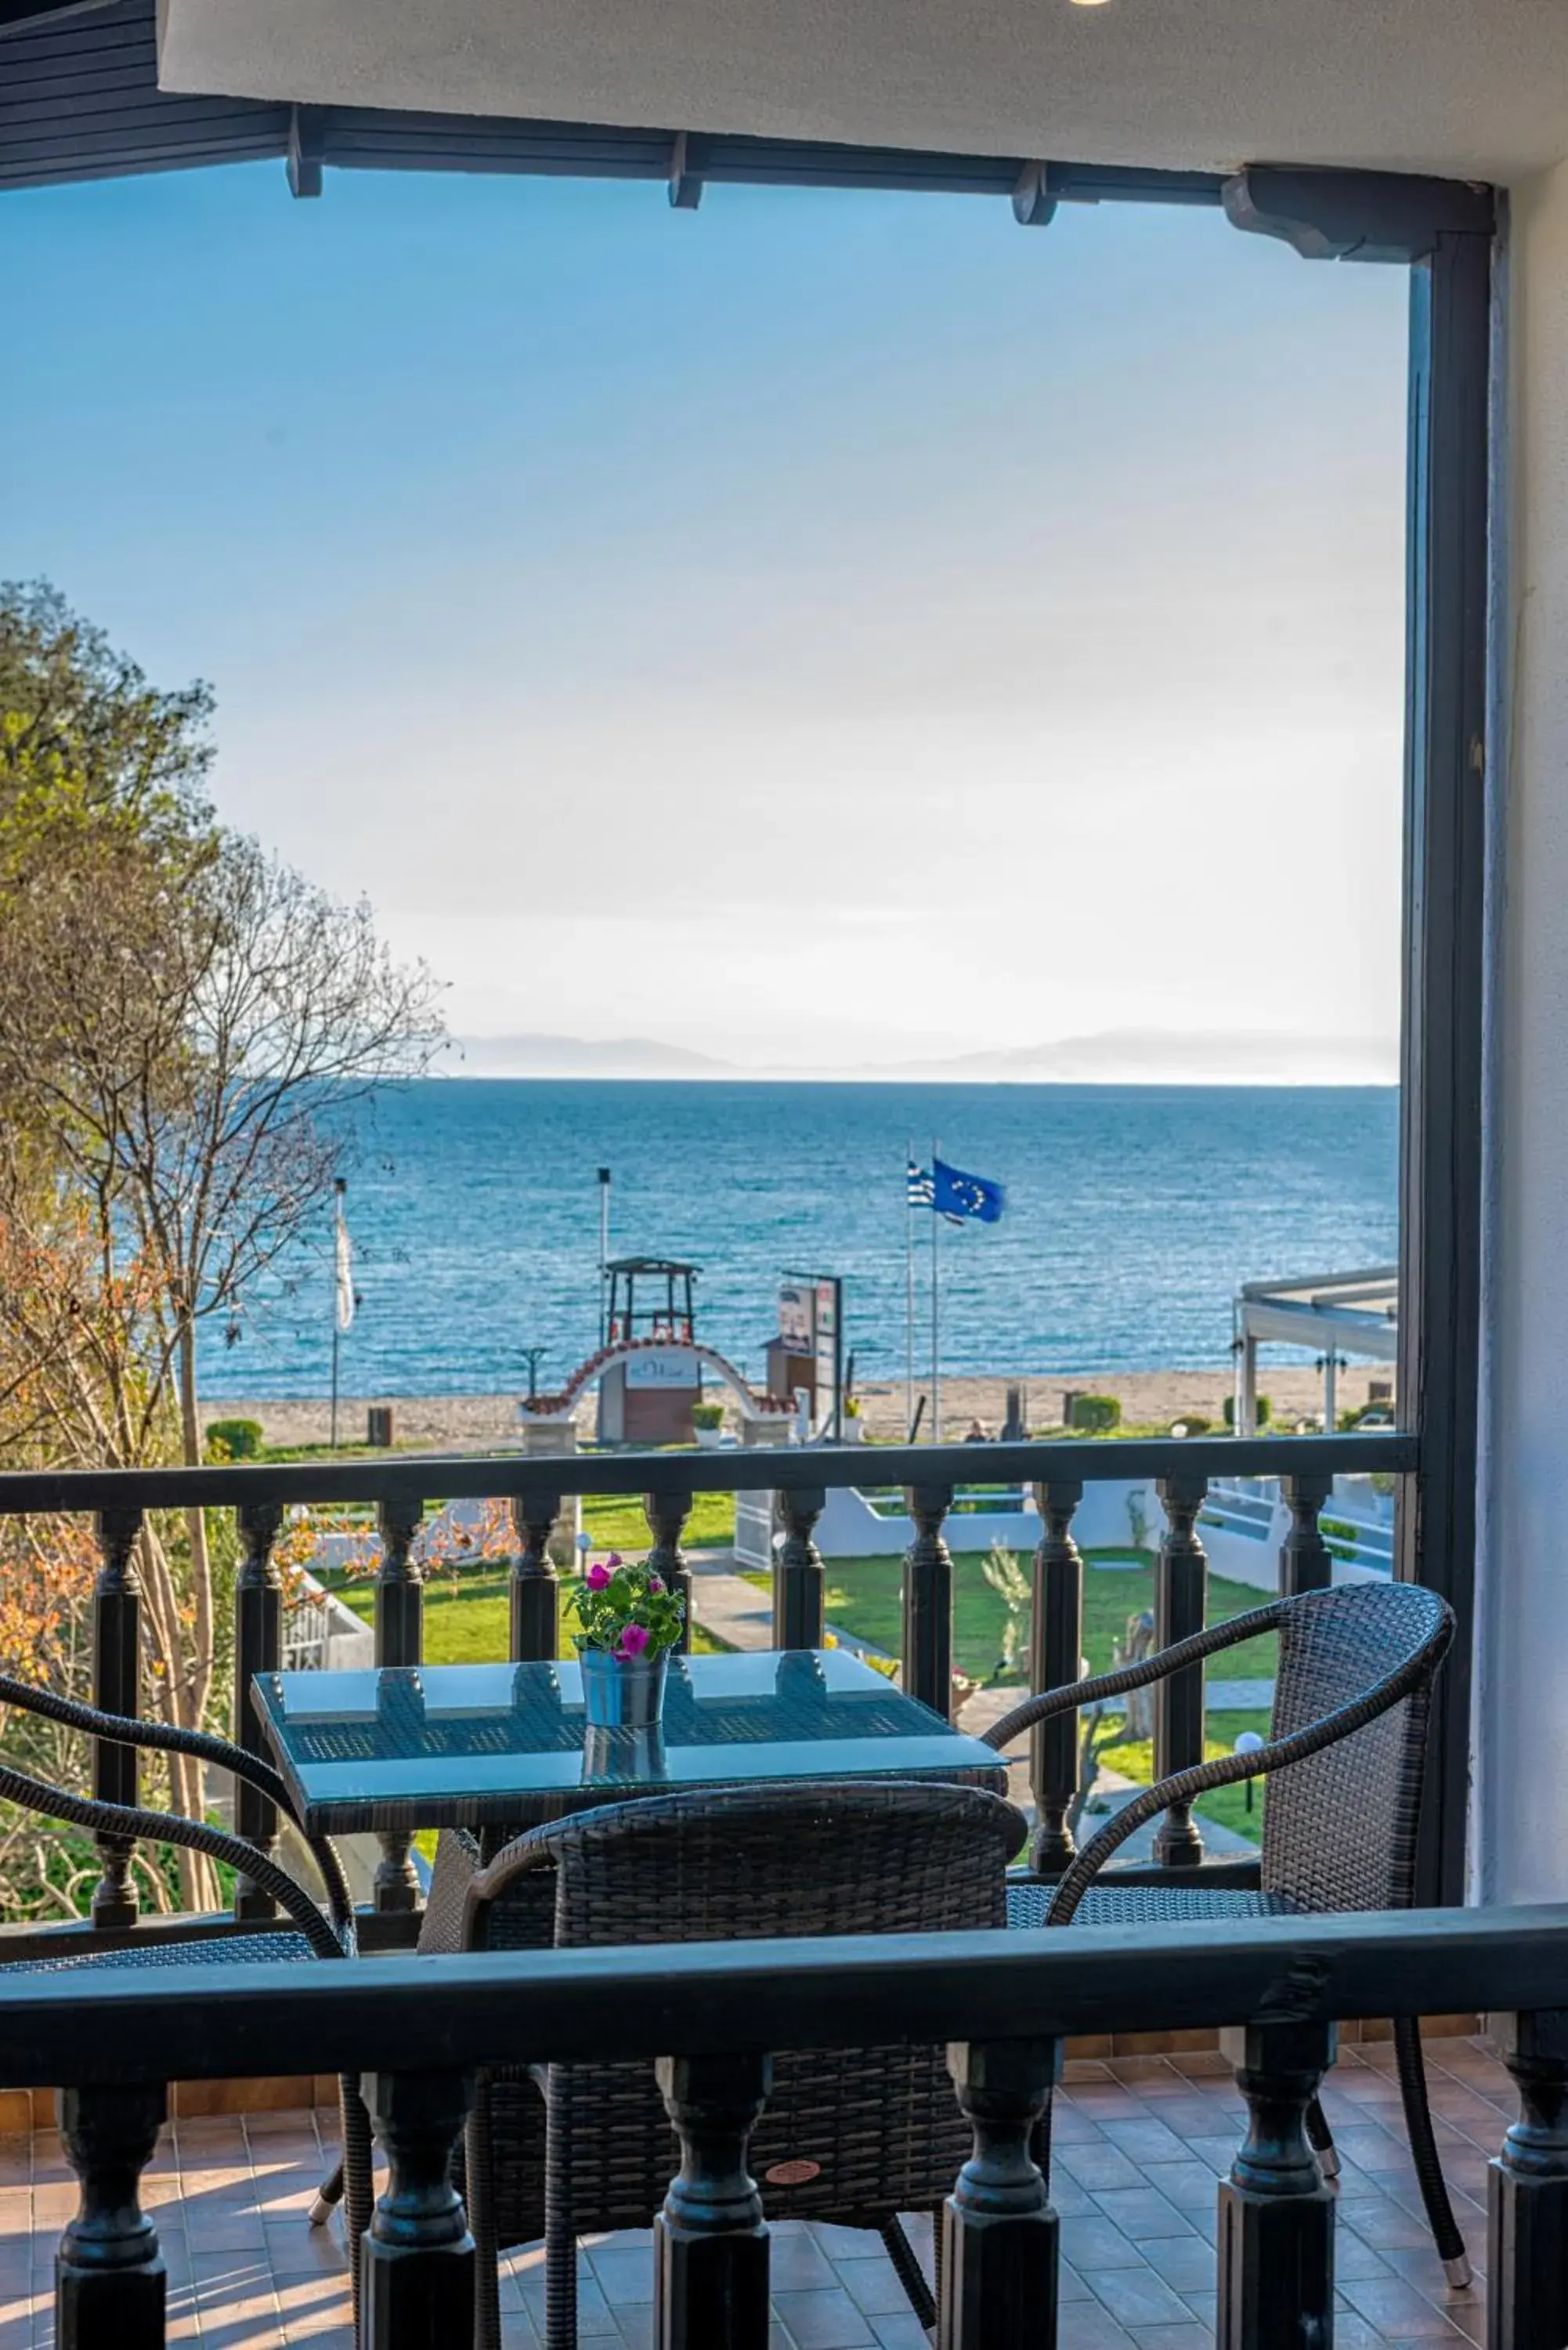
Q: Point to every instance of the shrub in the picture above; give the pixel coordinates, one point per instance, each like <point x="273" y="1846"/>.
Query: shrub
<point x="233" y="1440"/>
<point x="1264" y="1407"/>
<point x="1096" y="1415"/>
<point x="1191" y="1423"/>
<point x="707" y="1415"/>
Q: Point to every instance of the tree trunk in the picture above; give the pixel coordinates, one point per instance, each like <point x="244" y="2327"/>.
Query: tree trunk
<point x="193" y="1674"/>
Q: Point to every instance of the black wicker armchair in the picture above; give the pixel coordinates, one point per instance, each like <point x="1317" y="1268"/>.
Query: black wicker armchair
<point x="857" y="2136"/>
<point x="309" y="1933"/>
<point x="1348" y="1743"/>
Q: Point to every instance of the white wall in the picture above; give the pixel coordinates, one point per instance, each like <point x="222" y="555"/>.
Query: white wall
<point x="1520" y="1847"/>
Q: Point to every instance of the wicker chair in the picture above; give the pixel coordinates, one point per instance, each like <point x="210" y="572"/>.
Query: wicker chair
<point x="1348" y="1739"/>
<point x="857" y="2138"/>
<point x="309" y="1935"/>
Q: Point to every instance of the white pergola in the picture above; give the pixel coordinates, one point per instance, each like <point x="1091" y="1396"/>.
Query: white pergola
<point x="1337" y="1314"/>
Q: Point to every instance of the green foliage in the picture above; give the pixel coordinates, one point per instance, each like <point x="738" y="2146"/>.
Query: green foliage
<point x="233" y="1440"/>
<point x="707" y="1415"/>
<point x="628" y="1609"/>
<point x="1191" y="1423"/>
<point x="1012" y="1586"/>
<point x="1096" y="1415"/>
<point x="1265" y="1410"/>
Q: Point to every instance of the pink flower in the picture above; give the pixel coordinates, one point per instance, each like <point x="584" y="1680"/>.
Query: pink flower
<point x="633" y="1641"/>
<point x="598" y="1577"/>
<point x="654" y="1583"/>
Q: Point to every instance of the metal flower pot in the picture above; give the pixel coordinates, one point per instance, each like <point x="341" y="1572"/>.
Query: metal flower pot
<point x="618" y="1695"/>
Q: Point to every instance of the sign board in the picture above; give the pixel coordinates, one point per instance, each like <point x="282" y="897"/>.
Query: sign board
<point x="828" y="1357"/>
<point x="797" y="1316"/>
<point x="811" y="1322"/>
<point x="662" y="1367"/>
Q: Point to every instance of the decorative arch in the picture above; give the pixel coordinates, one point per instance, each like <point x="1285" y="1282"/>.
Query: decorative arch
<point x="562" y="1405"/>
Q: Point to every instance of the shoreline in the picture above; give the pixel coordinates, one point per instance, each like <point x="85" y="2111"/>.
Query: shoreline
<point x="478" y="1422"/>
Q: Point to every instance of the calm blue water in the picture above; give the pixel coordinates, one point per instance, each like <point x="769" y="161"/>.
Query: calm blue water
<point x="1133" y="1213"/>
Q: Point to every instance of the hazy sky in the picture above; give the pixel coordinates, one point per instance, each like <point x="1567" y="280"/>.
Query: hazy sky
<point x="817" y="625"/>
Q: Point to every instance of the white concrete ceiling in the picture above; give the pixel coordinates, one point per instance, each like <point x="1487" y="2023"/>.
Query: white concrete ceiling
<point x="1464" y="87"/>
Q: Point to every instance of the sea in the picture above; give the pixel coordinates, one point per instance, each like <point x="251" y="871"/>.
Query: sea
<point x="1132" y="1214"/>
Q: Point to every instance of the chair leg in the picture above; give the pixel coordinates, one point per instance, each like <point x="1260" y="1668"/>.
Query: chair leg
<point x="478" y="2152"/>
<point x="329" y="2195"/>
<point x="1040" y="2143"/>
<point x="1424" y="2148"/>
<point x="1320" y="2138"/>
<point x="358" y="2178"/>
<point x="560" y="2228"/>
<point x="911" y="2274"/>
<point x="560" y="2282"/>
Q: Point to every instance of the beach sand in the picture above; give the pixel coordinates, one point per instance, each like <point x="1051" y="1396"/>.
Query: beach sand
<point x="476" y="1423"/>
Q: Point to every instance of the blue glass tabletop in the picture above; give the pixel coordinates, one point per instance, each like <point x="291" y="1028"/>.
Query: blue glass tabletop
<point x="484" y="1745"/>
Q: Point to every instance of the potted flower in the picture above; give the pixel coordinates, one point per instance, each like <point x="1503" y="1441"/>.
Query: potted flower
<point x="854" y="1426"/>
<point x="708" y="1421"/>
<point x="630" y="1620"/>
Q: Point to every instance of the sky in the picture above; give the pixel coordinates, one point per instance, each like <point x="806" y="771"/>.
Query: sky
<point x="824" y="628"/>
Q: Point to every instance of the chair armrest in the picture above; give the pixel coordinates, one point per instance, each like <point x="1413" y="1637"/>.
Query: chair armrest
<point x="521" y="1877"/>
<point x="1072" y="1695"/>
<point x="1229" y="1769"/>
<point x="131" y="1824"/>
<point x="168" y="1738"/>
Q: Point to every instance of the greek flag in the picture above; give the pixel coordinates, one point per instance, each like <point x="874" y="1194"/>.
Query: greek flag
<point x="960" y="1197"/>
<point x="921" y="1191"/>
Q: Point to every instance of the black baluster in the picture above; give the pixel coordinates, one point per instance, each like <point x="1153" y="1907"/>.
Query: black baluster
<point x="711" y="2241"/>
<point x="535" y="1614"/>
<point x="1527" y="2193"/>
<point x="115" y="1689"/>
<point x="1275" y="2260"/>
<point x="259" y="1649"/>
<point x="400" y="1641"/>
<point x="1180" y="1604"/>
<point x="1305" y="1561"/>
<point x="928" y="1600"/>
<point x="417" y="2257"/>
<point x="109" y="2270"/>
<point x="667" y="1514"/>
<point x="998" y="2259"/>
<point x="799" y="1581"/>
<point x="1055" y="1658"/>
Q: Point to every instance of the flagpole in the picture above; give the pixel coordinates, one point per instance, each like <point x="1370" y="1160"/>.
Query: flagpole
<point x="909" y="1293"/>
<point x="340" y="1187"/>
<point x="936" y="1310"/>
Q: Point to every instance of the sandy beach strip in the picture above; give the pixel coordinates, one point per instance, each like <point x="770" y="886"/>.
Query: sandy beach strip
<point x="477" y="1423"/>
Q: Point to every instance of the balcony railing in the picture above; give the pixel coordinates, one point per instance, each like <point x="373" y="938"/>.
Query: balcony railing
<point x="710" y="2018"/>
<point x="400" y="1489"/>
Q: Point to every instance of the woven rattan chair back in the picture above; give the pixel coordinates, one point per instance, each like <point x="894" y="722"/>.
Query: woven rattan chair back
<point x="1339" y="1828"/>
<point x="857" y="2136"/>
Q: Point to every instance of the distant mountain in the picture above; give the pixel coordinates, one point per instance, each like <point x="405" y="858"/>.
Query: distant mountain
<point x="1133" y="1056"/>
<point x="1120" y="1057"/>
<point x="578" y="1057"/>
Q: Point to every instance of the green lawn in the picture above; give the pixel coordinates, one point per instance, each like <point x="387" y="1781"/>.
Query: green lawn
<point x="466" y="1617"/>
<point x="864" y="1597"/>
<point x="616" y="1521"/>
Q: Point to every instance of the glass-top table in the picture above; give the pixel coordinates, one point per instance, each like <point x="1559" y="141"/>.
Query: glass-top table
<point x="429" y="1746"/>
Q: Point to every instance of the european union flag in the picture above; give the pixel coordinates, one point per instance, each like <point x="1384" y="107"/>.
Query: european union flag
<point x="961" y="1197"/>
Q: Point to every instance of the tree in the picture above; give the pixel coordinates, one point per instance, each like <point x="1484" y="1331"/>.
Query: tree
<point x="184" y="1024"/>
